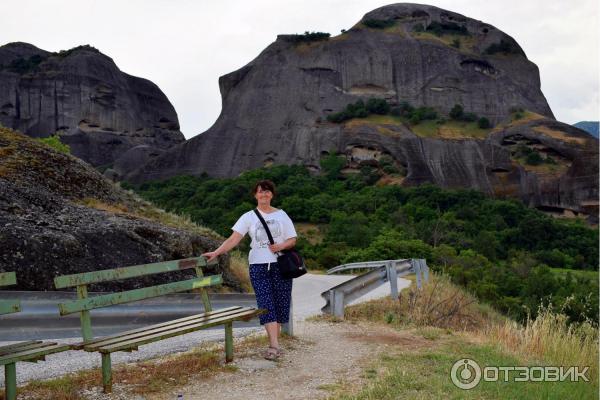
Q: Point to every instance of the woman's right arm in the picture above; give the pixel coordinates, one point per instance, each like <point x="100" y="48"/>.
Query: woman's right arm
<point x="227" y="245"/>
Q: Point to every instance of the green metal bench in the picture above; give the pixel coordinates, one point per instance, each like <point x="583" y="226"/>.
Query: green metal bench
<point x="31" y="351"/>
<point x="132" y="339"/>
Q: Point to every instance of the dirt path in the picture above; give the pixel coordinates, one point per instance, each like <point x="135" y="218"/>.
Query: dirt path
<point x="323" y="353"/>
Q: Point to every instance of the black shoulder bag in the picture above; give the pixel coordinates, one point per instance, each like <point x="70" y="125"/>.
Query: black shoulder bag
<point x="291" y="264"/>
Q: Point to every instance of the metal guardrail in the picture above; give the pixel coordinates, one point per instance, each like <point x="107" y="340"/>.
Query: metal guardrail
<point x="339" y="296"/>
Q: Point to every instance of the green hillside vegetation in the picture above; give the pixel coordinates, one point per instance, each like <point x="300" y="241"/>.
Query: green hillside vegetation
<point x="500" y="250"/>
<point x="423" y="121"/>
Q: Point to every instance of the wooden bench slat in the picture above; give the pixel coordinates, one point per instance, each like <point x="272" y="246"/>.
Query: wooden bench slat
<point x="32" y="354"/>
<point x="12" y="347"/>
<point x="8" y="278"/>
<point x="106" y="300"/>
<point x="86" y="278"/>
<point x="200" y="318"/>
<point x="176" y="332"/>
<point x="24" y="347"/>
<point x="10" y="306"/>
<point x="143" y="329"/>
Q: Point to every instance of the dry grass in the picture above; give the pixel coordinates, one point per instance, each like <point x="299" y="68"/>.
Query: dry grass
<point x="559" y="135"/>
<point x="310" y="232"/>
<point x="142" y="209"/>
<point x="238" y="264"/>
<point x="439" y="304"/>
<point x="550" y="338"/>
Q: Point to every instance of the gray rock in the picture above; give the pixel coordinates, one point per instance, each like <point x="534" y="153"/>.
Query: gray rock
<point x="59" y="216"/>
<point x="275" y="107"/>
<point x="81" y="94"/>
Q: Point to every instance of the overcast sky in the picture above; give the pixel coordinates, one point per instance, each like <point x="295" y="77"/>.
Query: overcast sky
<point x="184" y="46"/>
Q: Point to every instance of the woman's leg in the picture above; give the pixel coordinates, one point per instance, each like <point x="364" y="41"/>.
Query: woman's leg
<point x="263" y="289"/>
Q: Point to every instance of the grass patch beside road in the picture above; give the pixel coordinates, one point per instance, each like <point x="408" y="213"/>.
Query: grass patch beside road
<point x="459" y="327"/>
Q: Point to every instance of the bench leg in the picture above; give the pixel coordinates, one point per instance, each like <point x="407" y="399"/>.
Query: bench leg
<point x="106" y="373"/>
<point x="10" y="381"/>
<point x="229" y="342"/>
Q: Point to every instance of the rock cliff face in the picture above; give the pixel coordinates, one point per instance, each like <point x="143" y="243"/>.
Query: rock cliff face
<point x="275" y="109"/>
<point x="59" y="216"/>
<point x="98" y="110"/>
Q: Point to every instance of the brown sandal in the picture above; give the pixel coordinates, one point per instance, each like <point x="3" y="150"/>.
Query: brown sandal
<point x="272" y="354"/>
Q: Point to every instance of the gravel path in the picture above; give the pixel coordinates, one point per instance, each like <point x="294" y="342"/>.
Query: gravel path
<point x="307" y="301"/>
<point x="322" y="354"/>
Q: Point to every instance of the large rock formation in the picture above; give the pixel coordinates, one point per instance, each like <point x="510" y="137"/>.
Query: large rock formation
<point x="59" y="216"/>
<point x="98" y="110"/>
<point x="275" y="109"/>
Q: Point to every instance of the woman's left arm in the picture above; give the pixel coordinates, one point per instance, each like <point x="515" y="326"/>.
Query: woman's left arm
<point x="288" y="244"/>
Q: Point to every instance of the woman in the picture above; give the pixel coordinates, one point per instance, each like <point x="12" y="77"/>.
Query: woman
<point x="273" y="293"/>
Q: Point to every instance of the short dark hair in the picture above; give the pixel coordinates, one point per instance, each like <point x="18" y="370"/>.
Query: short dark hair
<point x="264" y="185"/>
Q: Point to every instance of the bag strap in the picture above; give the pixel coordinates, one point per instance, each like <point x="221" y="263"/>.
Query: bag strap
<point x="265" y="226"/>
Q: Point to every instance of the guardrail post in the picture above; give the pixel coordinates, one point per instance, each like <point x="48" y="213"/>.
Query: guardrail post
<point x="338" y="303"/>
<point x="425" y="269"/>
<point x="417" y="269"/>
<point x="289" y="327"/>
<point x="393" y="278"/>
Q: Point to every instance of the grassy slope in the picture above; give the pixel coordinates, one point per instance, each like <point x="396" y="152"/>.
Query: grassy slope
<point x="469" y="330"/>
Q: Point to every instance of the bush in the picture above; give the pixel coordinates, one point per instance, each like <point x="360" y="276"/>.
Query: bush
<point x="378" y="106"/>
<point x="456" y="112"/>
<point x="447" y="28"/>
<point x="534" y="158"/>
<point x="469" y="117"/>
<point x="378" y="23"/>
<point x="418" y="28"/>
<point x="308" y="37"/>
<point x="483" y="123"/>
<point x="456" y="43"/>
<point x="360" y="110"/>
<point x="54" y="142"/>
<point x="506" y="47"/>
<point x="23" y="66"/>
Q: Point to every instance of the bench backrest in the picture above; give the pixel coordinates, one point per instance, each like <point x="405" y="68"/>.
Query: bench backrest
<point x="84" y="304"/>
<point x="9" y="306"/>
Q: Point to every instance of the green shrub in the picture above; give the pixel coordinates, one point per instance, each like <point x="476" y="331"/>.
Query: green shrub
<point x="447" y="28"/>
<point x="418" y="28"/>
<point x="505" y="46"/>
<point x="308" y="37"/>
<point x="483" y="123"/>
<point x="534" y="158"/>
<point x="378" y="23"/>
<point x="378" y="106"/>
<point x="456" y="112"/>
<point x="469" y="117"/>
<point x="456" y="43"/>
<point x="66" y="53"/>
<point x="54" y="142"/>
<point x="25" y="65"/>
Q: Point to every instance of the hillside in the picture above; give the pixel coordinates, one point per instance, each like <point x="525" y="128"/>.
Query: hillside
<point x="58" y="215"/>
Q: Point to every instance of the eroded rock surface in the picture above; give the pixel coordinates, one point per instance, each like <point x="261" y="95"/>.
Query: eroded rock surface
<point x="59" y="216"/>
<point x="275" y="108"/>
<point x="100" y="111"/>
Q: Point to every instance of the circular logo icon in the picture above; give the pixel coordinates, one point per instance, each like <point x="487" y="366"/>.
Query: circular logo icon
<point x="465" y="373"/>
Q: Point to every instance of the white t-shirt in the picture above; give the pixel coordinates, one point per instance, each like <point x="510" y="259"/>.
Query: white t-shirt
<point x="279" y="224"/>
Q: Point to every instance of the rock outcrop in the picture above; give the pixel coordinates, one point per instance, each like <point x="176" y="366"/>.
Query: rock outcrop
<point x="275" y="109"/>
<point x="59" y="216"/>
<point x="82" y="95"/>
